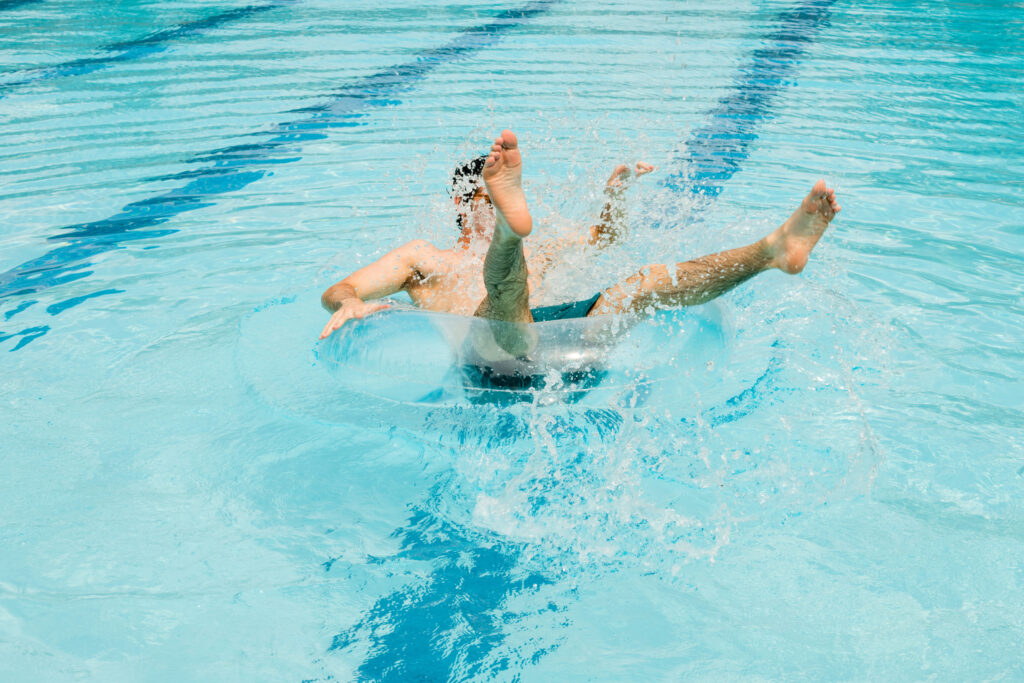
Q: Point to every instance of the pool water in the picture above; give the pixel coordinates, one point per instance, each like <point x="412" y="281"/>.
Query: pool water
<point x="188" y="493"/>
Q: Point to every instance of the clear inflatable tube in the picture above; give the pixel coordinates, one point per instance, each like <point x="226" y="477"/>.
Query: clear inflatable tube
<point x="409" y="355"/>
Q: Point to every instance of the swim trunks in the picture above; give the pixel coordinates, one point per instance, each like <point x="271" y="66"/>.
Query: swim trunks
<point x="572" y="309"/>
<point x="484" y="377"/>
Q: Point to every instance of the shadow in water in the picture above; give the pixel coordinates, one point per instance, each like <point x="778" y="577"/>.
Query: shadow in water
<point x="453" y="620"/>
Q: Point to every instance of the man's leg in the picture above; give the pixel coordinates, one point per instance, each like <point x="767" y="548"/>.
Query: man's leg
<point x="505" y="266"/>
<point x="705" y="278"/>
<point x="505" y="274"/>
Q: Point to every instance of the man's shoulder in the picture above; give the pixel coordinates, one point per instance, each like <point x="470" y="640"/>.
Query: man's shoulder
<point x="427" y="257"/>
<point x="418" y="251"/>
<point x="427" y="248"/>
<point x="419" y="246"/>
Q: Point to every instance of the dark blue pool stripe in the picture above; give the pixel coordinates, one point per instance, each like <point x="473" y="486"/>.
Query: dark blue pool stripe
<point x="56" y="308"/>
<point x="14" y="4"/>
<point x="19" y="308"/>
<point x="418" y="632"/>
<point x="133" y="49"/>
<point x="231" y="168"/>
<point x="715" y="152"/>
<point x="28" y="335"/>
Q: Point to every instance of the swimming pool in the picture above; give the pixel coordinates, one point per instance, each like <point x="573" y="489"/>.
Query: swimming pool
<point x="181" y="180"/>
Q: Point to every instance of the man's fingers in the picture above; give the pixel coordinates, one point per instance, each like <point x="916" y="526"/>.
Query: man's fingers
<point x="334" y="323"/>
<point x="643" y="167"/>
<point x="339" y="318"/>
<point x="330" y="327"/>
<point x="367" y="309"/>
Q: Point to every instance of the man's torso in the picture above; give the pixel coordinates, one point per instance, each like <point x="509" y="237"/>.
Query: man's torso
<point x="451" y="280"/>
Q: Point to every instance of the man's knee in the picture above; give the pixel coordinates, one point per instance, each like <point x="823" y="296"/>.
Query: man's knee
<point x="636" y="292"/>
<point x="655" y="275"/>
<point x="649" y="280"/>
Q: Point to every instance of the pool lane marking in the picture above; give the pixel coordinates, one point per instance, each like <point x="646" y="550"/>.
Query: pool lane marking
<point x="232" y="168"/>
<point x="470" y="567"/>
<point x="715" y="152"/>
<point x="14" y="4"/>
<point x="132" y="49"/>
<point x="28" y="335"/>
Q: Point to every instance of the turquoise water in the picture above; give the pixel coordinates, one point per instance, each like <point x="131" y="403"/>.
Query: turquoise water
<point x="188" y="494"/>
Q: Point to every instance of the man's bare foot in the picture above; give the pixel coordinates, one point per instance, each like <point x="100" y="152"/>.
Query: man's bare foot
<point x="503" y="173"/>
<point x="792" y="242"/>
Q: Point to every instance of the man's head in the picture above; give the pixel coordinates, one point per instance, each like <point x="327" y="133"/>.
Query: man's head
<point x="467" y="189"/>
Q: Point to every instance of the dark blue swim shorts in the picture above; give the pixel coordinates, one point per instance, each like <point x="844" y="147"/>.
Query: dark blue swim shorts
<point x="573" y="309"/>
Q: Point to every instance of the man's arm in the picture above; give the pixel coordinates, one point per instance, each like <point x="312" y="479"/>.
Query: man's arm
<point x="391" y="273"/>
<point x="612" y="225"/>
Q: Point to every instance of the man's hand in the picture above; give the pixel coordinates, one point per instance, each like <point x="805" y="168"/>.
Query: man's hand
<point x="623" y="173"/>
<point x="350" y="308"/>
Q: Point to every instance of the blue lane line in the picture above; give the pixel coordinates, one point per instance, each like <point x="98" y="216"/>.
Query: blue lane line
<point x="28" y="335"/>
<point x="61" y="306"/>
<point x="716" y="151"/>
<point x="474" y="574"/>
<point x="14" y="4"/>
<point x="132" y="49"/>
<point x="229" y="169"/>
<point x="19" y="308"/>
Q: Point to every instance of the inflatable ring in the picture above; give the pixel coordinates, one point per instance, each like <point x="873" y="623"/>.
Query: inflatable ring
<point x="408" y="355"/>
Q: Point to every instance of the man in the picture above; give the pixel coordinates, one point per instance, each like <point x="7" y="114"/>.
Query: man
<point x="489" y="272"/>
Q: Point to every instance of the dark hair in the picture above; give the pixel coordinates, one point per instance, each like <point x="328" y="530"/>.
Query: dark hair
<point x="465" y="179"/>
